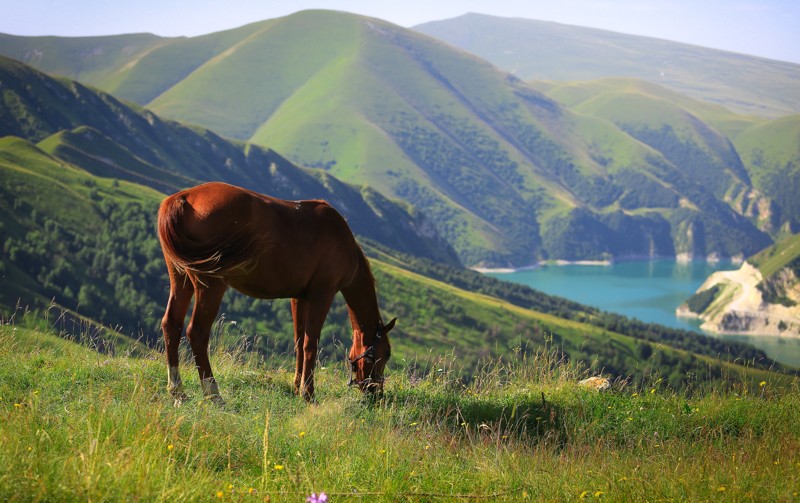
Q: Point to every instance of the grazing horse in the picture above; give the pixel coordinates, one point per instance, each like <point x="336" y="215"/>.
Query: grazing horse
<point x="216" y="235"/>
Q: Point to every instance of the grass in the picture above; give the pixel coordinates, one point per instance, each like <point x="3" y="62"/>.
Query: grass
<point x="777" y="257"/>
<point x="79" y="424"/>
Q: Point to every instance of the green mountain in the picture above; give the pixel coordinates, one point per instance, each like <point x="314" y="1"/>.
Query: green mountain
<point x="507" y="175"/>
<point x="751" y="164"/>
<point x="84" y="246"/>
<point x="550" y="51"/>
<point x="77" y="226"/>
<point x="93" y="130"/>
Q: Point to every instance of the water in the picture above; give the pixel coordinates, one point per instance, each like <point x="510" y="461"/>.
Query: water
<point x="647" y="290"/>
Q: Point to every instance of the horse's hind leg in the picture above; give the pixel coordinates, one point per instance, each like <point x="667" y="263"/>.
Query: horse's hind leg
<point x="180" y="295"/>
<point x="208" y="297"/>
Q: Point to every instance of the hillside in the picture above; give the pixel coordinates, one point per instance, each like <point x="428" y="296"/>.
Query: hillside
<point x="711" y="146"/>
<point x="84" y="425"/>
<point x="540" y="50"/>
<point x="762" y="298"/>
<point x="507" y="175"/>
<point x="84" y="247"/>
<point x="111" y="140"/>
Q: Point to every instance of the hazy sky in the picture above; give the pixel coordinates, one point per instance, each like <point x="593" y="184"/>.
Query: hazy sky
<point x="769" y="28"/>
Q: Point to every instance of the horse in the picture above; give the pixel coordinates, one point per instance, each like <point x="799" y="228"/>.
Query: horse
<point x="214" y="236"/>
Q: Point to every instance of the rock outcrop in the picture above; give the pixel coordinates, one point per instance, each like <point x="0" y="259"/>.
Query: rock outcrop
<point x="733" y="302"/>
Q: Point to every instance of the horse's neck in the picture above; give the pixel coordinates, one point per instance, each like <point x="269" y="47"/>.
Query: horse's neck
<point x="362" y="301"/>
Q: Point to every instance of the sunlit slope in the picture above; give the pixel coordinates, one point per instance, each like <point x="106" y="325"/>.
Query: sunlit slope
<point x="508" y="175"/>
<point x="111" y="140"/>
<point x="543" y="50"/>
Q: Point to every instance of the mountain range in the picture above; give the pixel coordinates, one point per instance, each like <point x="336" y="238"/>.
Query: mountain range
<point x="507" y="173"/>
<point x="83" y="171"/>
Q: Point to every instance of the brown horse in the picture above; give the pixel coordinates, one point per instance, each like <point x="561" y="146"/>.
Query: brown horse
<point x="216" y="235"/>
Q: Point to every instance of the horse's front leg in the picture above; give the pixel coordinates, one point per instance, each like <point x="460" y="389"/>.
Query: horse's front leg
<point x="316" y="311"/>
<point x="208" y="294"/>
<point x="299" y="318"/>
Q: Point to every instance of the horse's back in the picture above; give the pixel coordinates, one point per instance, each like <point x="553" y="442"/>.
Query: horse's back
<point x="263" y="246"/>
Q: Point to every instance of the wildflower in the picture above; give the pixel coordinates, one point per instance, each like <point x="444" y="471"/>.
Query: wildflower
<point x="278" y="467"/>
<point x="301" y="434"/>
<point x="250" y="490"/>
<point x="220" y="494"/>
<point x="413" y="424"/>
<point x="17" y="405"/>
<point x="230" y="487"/>
<point x="170" y="447"/>
<point x="584" y="494"/>
<point x="762" y="383"/>
<point x="652" y="391"/>
<point x="314" y="498"/>
<point x="721" y="489"/>
<point x="597" y="494"/>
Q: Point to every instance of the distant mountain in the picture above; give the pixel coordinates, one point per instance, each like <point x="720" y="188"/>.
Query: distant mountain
<point x="507" y="174"/>
<point x="751" y="164"/>
<point x="540" y="50"/>
<point x="107" y="138"/>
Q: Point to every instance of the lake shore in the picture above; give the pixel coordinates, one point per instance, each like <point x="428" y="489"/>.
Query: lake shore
<point x="680" y="259"/>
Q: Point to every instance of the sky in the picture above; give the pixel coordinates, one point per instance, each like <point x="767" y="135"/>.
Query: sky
<point x="767" y="28"/>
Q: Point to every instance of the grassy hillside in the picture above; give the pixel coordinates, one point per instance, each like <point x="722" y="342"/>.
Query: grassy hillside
<point x="85" y="245"/>
<point x="78" y="424"/>
<point x="507" y="175"/>
<point x="111" y="140"/>
<point x="694" y="138"/>
<point x="550" y="51"/>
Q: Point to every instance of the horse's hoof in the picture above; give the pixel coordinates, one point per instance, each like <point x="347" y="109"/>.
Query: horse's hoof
<point x="179" y="398"/>
<point x="215" y="399"/>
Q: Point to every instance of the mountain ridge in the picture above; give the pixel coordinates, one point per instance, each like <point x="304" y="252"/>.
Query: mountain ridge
<point x="508" y="175"/>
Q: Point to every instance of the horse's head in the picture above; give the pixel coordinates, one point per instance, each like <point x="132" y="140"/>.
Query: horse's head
<point x="368" y="366"/>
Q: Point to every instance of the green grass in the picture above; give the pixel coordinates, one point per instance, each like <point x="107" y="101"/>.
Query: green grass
<point x="776" y="257"/>
<point x="81" y="425"/>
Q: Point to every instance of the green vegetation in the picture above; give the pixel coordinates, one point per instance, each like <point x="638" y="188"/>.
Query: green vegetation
<point x="776" y="257"/>
<point x="700" y="301"/>
<point x="81" y="424"/>
<point x="505" y="174"/>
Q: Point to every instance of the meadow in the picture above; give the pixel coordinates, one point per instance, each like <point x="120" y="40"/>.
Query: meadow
<point x="81" y="424"/>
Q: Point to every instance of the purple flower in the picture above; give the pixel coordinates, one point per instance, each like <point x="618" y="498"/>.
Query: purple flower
<point x="322" y="498"/>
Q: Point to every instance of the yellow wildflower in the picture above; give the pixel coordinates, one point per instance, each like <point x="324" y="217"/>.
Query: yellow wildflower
<point x="278" y="467"/>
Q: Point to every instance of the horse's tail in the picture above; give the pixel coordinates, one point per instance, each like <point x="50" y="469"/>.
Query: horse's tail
<point x="217" y="257"/>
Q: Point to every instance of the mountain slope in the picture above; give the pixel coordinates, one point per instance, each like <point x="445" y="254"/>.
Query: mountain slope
<point x="507" y="175"/>
<point x="109" y="139"/>
<point x="84" y="246"/>
<point x="550" y="51"/>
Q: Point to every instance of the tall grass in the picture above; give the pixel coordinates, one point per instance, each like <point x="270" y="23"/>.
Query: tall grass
<point x="77" y="424"/>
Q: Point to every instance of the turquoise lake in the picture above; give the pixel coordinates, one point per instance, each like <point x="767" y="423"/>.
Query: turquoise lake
<point x="647" y="290"/>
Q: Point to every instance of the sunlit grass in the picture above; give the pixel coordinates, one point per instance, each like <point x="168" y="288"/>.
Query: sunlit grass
<point x="76" y="424"/>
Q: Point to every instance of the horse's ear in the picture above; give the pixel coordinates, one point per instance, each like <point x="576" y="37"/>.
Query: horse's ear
<point x="389" y="326"/>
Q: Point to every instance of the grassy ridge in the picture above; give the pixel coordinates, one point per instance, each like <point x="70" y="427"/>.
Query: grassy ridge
<point x="552" y="51"/>
<point x="77" y="424"/>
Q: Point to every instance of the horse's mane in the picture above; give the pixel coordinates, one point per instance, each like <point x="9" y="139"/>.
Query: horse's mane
<point x="229" y="254"/>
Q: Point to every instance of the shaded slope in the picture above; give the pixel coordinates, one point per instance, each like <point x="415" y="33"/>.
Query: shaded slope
<point x="107" y="138"/>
